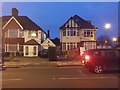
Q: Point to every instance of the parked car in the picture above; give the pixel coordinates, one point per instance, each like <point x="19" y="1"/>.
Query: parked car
<point x="99" y="60"/>
<point x="43" y="53"/>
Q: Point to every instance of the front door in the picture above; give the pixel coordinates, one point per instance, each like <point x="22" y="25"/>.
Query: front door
<point x="30" y="51"/>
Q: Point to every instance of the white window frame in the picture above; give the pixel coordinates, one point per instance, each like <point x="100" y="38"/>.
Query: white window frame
<point x="64" y="46"/>
<point x="91" y="33"/>
<point x="30" y="32"/>
<point x="13" y="36"/>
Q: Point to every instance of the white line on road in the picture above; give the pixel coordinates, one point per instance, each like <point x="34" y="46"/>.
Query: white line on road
<point x="85" y="78"/>
<point x="10" y="79"/>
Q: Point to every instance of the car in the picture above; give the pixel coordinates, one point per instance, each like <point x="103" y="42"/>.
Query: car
<point x="99" y="60"/>
<point x="43" y="53"/>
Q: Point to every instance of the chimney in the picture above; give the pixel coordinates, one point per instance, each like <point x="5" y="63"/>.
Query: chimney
<point x="48" y="32"/>
<point x="14" y="12"/>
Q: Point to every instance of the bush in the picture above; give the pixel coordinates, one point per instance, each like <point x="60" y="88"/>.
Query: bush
<point x="52" y="55"/>
<point x="73" y="54"/>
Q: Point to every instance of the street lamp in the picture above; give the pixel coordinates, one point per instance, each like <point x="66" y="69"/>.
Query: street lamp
<point x="107" y="27"/>
<point x="114" y="40"/>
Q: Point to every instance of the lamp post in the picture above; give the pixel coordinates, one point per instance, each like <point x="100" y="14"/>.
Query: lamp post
<point x="107" y="27"/>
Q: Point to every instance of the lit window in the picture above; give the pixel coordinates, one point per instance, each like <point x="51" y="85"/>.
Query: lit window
<point x="32" y="34"/>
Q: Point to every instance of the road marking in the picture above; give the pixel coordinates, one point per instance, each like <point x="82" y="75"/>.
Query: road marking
<point x="11" y="80"/>
<point x="75" y="78"/>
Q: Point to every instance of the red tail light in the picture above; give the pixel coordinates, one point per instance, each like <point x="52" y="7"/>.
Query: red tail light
<point x="87" y="58"/>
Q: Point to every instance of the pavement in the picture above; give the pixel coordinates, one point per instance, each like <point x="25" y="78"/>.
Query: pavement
<point x="17" y="62"/>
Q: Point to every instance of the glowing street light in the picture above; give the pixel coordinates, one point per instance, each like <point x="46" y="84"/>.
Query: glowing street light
<point x="107" y="26"/>
<point x="114" y="39"/>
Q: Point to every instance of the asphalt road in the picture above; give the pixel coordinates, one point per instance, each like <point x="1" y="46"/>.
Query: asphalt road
<point x="57" y="77"/>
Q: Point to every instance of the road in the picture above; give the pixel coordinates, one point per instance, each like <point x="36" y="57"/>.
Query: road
<point x="57" y="77"/>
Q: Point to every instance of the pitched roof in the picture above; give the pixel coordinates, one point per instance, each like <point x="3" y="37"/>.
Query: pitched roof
<point x="56" y="41"/>
<point x="31" y="42"/>
<point x="83" y="24"/>
<point x="24" y="21"/>
<point x="48" y="41"/>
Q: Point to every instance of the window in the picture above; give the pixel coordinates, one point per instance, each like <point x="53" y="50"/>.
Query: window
<point x="78" y="45"/>
<point x="77" y="33"/>
<point x="64" y="46"/>
<point x="68" y="46"/>
<point x="74" y="45"/>
<point x="71" y="46"/>
<point x="26" y="50"/>
<point x="12" y="47"/>
<point x="91" y="34"/>
<point x="6" y="33"/>
<point x="13" y="33"/>
<point x="64" y="32"/>
<point x="21" y="34"/>
<point x="34" y="50"/>
<point x="90" y="45"/>
<point x="20" y="47"/>
<point x="88" y="33"/>
<point x="72" y="32"/>
<point x="32" y="34"/>
<point x="68" y="32"/>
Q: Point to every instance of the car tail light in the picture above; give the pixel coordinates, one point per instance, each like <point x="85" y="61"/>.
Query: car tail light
<point x="87" y="58"/>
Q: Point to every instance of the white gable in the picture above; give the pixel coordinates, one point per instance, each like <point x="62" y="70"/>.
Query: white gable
<point x="11" y="20"/>
<point x="71" y="23"/>
<point x="47" y="43"/>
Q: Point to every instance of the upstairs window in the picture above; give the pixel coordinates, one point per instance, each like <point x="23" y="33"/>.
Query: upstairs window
<point x="13" y="33"/>
<point x="68" y="32"/>
<point x="71" y="32"/>
<point x="32" y="34"/>
<point x="21" y="34"/>
<point x="88" y="33"/>
<point x="64" y="32"/>
<point x="77" y="33"/>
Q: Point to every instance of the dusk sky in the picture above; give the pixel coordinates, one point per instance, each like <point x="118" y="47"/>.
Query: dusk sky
<point x="51" y="15"/>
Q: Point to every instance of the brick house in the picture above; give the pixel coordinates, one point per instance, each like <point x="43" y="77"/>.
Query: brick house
<point x="21" y="35"/>
<point x="76" y="33"/>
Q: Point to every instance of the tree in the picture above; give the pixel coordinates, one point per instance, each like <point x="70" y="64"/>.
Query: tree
<point x="104" y="40"/>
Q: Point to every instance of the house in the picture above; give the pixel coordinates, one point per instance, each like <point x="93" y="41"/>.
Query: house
<point x="21" y="35"/>
<point x="47" y="43"/>
<point x="76" y="33"/>
<point x="56" y="41"/>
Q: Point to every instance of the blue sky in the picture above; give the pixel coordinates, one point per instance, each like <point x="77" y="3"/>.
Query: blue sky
<point x="51" y="15"/>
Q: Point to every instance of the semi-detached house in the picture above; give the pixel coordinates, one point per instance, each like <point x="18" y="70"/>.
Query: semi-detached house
<point x="21" y="35"/>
